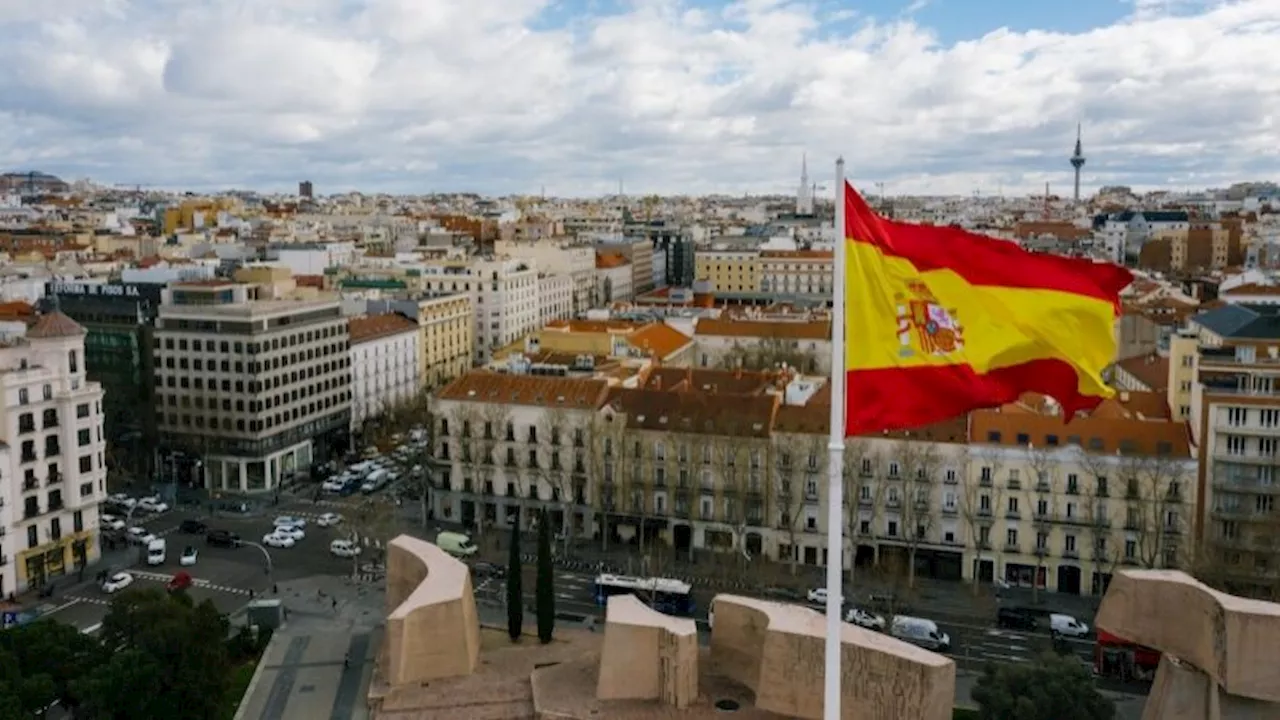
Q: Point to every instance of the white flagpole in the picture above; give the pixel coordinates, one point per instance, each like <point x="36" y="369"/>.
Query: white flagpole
<point x="835" y="466"/>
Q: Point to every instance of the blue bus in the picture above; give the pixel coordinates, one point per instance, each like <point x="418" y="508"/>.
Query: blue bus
<point x="666" y="595"/>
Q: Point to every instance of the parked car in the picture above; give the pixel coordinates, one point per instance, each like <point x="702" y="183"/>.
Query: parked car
<point x="189" y="556"/>
<point x="180" y="581"/>
<point x="292" y="532"/>
<point x="344" y="548"/>
<point x="921" y="632"/>
<point x="111" y="522"/>
<point x="192" y="527"/>
<point x="277" y="540"/>
<point x="153" y="504"/>
<point x="488" y="570"/>
<point x="117" y="582"/>
<point x="862" y="618"/>
<point x="222" y="538"/>
<point x="817" y="595"/>
<point x="140" y="536"/>
<point x="122" y="500"/>
<point x="1067" y="626"/>
<point x="290" y="521"/>
<point x="329" y="520"/>
<point x="1015" y="619"/>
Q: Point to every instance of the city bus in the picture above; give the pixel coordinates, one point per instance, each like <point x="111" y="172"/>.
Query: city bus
<point x="666" y="595"/>
<point x="1115" y="657"/>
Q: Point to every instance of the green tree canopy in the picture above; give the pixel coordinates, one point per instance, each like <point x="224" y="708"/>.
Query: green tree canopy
<point x="544" y="589"/>
<point x="51" y="657"/>
<point x="1055" y="688"/>
<point x="167" y="653"/>
<point x="515" y="587"/>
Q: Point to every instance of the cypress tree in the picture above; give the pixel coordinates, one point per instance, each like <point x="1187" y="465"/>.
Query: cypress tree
<point x="515" y="591"/>
<point x="545" y="591"/>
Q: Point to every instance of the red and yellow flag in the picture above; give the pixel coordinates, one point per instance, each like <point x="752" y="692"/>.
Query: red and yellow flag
<point x="939" y="321"/>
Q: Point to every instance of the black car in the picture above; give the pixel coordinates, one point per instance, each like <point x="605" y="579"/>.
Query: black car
<point x="485" y="570"/>
<point x="222" y="538"/>
<point x="1015" y="619"/>
<point x="192" y="527"/>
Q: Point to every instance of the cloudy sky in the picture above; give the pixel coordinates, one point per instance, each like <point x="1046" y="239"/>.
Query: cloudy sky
<point x="513" y="96"/>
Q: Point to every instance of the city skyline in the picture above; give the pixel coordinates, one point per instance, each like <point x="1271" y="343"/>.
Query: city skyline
<point x="669" y="98"/>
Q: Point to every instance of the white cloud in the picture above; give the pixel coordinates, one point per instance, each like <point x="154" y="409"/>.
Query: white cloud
<point x="488" y="95"/>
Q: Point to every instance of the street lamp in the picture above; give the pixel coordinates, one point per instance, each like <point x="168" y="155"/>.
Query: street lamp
<point x="267" y="556"/>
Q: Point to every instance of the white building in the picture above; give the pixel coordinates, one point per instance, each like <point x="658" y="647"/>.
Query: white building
<point x="504" y="293"/>
<point x="312" y="259"/>
<point x="386" y="364"/>
<point x="550" y="257"/>
<point x="614" y="279"/>
<point x="249" y="385"/>
<point x="52" y="464"/>
<point x="555" y="298"/>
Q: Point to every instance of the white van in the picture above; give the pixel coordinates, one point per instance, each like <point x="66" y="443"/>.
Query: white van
<point x="1067" y="626"/>
<point x="344" y="548"/>
<point x="156" y="550"/>
<point x="456" y="543"/>
<point x="921" y="632"/>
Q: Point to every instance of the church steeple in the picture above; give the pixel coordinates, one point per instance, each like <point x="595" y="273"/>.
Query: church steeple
<point x="804" y="198"/>
<point x="1077" y="161"/>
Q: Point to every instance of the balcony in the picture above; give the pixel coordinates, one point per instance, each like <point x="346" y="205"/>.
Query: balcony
<point x="1042" y="552"/>
<point x="1071" y="554"/>
<point x="1012" y="549"/>
<point x="984" y="512"/>
<point x="951" y="479"/>
<point x="30" y="511"/>
<point x="1014" y="485"/>
<point x="1013" y="515"/>
<point x="29" y="456"/>
<point x="30" y="483"/>
<point x="949" y="510"/>
<point x="1043" y="487"/>
<point x="26" y="427"/>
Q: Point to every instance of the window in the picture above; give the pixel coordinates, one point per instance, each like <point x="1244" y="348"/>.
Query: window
<point x="77" y="521"/>
<point x="73" y="362"/>
<point x="33" y="536"/>
<point x="86" y="489"/>
<point x="1011" y="537"/>
<point x="86" y="463"/>
<point x="83" y="437"/>
<point x="24" y="398"/>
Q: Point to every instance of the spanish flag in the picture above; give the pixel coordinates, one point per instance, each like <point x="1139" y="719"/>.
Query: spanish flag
<point x="939" y="321"/>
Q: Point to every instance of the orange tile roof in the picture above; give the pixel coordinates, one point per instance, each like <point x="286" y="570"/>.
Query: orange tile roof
<point x="315" y="281"/>
<point x="696" y="412"/>
<point x="16" y="309"/>
<point x="713" y="381"/>
<point x="1253" y="289"/>
<point x="660" y="339"/>
<point x="1151" y="370"/>
<point x="789" y="329"/>
<point x="1114" y="426"/>
<point x="590" y="326"/>
<point x="605" y="261"/>
<point x="372" y="327"/>
<point x="538" y="390"/>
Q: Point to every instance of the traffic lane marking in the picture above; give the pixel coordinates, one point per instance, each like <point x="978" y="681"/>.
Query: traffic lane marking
<point x="80" y="612"/>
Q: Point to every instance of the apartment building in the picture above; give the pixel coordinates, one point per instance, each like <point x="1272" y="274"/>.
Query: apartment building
<point x="446" y="323"/>
<point x="555" y="297"/>
<point x="729" y="271"/>
<point x="561" y="256"/>
<point x="503" y="291"/>
<point x="1232" y="354"/>
<point x="386" y="369"/>
<point x="802" y="274"/>
<point x="615" y="278"/>
<point x="758" y="343"/>
<point x="52" y="464"/>
<point x="258" y="389"/>
<point x="639" y="256"/>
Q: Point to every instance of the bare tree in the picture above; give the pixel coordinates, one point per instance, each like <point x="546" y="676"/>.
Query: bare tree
<point x="1153" y="491"/>
<point x="768" y="354"/>
<point x="729" y="460"/>
<point x="1039" y="489"/>
<point x="637" y="483"/>
<point x="788" y="500"/>
<point x="1105" y="555"/>
<point x="920" y="463"/>
<point x="978" y="502"/>
<point x="555" y="431"/>
<point x="862" y="461"/>
<point x="596" y="450"/>
<point x="492" y="431"/>
<point x="467" y="425"/>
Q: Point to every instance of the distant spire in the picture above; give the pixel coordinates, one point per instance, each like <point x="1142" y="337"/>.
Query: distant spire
<point x="1077" y="161"/>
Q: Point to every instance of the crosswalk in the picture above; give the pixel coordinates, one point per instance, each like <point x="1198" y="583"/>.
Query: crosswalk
<point x="197" y="582"/>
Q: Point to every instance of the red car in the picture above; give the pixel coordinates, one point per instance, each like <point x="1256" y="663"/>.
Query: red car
<point x="181" y="581"/>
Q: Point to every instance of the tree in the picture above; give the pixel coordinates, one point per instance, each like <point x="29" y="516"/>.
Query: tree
<point x="1039" y="489"/>
<point x="596" y="450"/>
<point x="52" y="657"/>
<point x="468" y="426"/>
<point x="372" y="522"/>
<point x="1055" y="688"/>
<point x="545" y="591"/>
<point x="553" y="471"/>
<point x="1153" y="495"/>
<point x="920" y="461"/>
<point x="493" y="418"/>
<point x="738" y="484"/>
<point x="515" y="587"/>
<point x="769" y="354"/>
<point x="978" y="500"/>
<point x="165" y="654"/>
<point x="790" y="503"/>
<point x="860" y="462"/>
<point x="1105" y="555"/>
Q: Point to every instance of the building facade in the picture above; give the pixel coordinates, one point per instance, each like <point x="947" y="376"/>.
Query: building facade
<point x="386" y="370"/>
<point x="53" y="467"/>
<point x="446" y="322"/>
<point x="257" y="389"/>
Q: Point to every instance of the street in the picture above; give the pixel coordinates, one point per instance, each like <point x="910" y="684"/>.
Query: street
<point x="229" y="577"/>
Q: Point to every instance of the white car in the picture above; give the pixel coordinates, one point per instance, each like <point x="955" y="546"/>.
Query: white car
<point x="290" y="521"/>
<point x="111" y="522"/>
<point x="818" y="595"/>
<point x="329" y="520"/>
<point x="123" y="500"/>
<point x="862" y="618"/>
<point x="140" y="536"/>
<point x="189" y="556"/>
<point x="153" y="504"/>
<point x="117" y="582"/>
<point x="292" y="532"/>
<point x="276" y="540"/>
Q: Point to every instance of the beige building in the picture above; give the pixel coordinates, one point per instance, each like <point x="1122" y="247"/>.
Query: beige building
<point x="731" y="271"/>
<point x="804" y="274"/>
<point x="758" y="343"/>
<point x="250" y="385"/>
<point x="446" y="322"/>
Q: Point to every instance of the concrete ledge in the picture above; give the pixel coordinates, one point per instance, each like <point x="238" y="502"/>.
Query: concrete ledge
<point x="432" y="628"/>
<point x="647" y="655"/>
<point x="777" y="650"/>
<point x="1230" y="639"/>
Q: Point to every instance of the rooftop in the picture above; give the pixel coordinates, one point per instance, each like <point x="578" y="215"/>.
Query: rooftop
<point x="1244" y="321"/>
<point x="538" y="390"/>
<point x="784" y="329"/>
<point x="372" y="327"/>
<point x="54" y="325"/>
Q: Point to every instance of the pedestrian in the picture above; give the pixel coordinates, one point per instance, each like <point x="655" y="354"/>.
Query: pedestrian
<point x="275" y="589"/>
<point x="335" y="604"/>
<point x="251" y="594"/>
<point x="346" y="660"/>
